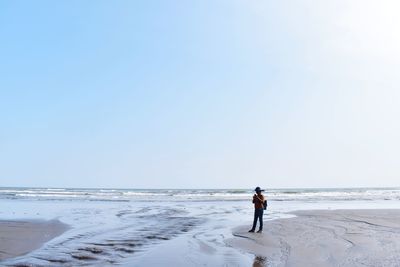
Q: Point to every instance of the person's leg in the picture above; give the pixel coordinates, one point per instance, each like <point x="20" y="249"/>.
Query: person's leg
<point x="260" y="216"/>
<point x="254" y="221"/>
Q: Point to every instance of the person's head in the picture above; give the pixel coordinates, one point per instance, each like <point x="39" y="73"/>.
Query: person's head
<point x="258" y="190"/>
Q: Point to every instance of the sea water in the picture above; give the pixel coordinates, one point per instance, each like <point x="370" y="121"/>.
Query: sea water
<point x="169" y="226"/>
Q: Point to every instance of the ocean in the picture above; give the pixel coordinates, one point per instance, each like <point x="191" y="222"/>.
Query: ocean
<point x="128" y="195"/>
<point x="154" y="227"/>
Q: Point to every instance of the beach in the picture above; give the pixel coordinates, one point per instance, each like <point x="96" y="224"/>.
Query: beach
<point x="21" y="237"/>
<point x="326" y="238"/>
<point x="104" y="227"/>
<point x="312" y="238"/>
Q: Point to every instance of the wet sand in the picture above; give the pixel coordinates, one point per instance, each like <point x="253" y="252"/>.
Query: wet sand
<point x="313" y="238"/>
<point x="21" y="237"/>
<point x="325" y="238"/>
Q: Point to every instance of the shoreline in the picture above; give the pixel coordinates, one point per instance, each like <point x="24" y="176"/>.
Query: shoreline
<point x="325" y="238"/>
<point x="20" y="237"/>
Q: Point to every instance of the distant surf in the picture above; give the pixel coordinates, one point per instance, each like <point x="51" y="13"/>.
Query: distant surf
<point x="311" y="194"/>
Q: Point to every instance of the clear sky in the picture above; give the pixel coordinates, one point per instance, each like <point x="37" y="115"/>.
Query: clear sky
<point x="199" y="94"/>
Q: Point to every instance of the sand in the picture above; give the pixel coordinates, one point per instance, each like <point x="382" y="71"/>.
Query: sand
<point x="21" y="237"/>
<point x="312" y="238"/>
<point x="325" y="238"/>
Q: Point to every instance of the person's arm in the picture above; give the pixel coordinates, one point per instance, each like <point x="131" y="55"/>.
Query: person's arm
<point x="260" y="199"/>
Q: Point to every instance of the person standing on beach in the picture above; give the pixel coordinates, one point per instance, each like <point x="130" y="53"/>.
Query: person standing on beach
<point x="258" y="200"/>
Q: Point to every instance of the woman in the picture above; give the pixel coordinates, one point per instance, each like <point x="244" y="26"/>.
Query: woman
<point x="258" y="200"/>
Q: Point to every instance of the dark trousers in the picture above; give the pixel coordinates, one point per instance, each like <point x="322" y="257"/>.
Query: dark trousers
<point x="258" y="214"/>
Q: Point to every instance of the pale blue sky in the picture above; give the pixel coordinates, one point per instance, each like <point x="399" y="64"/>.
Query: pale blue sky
<point x="199" y="94"/>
